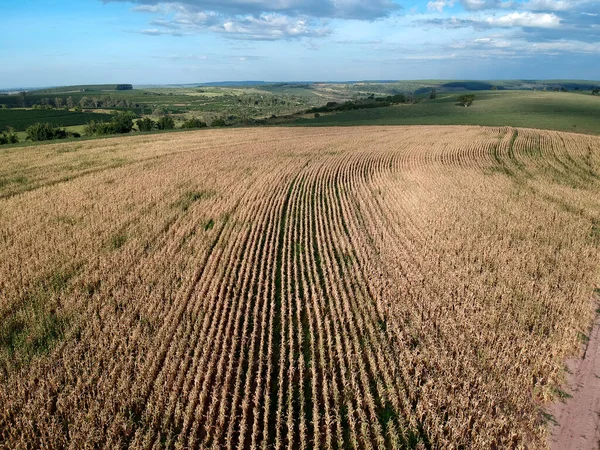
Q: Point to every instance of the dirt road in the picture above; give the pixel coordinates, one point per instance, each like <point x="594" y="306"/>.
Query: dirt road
<point x="578" y="418"/>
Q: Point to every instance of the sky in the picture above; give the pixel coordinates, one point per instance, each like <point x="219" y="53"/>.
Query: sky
<point x="51" y="43"/>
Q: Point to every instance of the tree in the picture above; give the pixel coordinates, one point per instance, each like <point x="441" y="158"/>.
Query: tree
<point x="433" y="95"/>
<point x="146" y="124"/>
<point x="70" y="103"/>
<point x="466" y="100"/>
<point x="596" y="91"/>
<point x="123" y="121"/>
<point x="194" y="123"/>
<point x="165" y="123"/>
<point x="58" y="102"/>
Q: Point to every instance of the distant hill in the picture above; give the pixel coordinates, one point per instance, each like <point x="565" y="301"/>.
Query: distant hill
<point x="84" y="88"/>
<point x="234" y="83"/>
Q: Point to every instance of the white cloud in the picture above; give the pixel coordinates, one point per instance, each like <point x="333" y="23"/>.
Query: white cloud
<point x="159" y="32"/>
<point x="491" y="42"/>
<point x="339" y="9"/>
<point x="182" y="20"/>
<point x="147" y="8"/>
<point x="479" y="5"/>
<point x="566" y="46"/>
<point x="439" y="5"/>
<point x="548" y="5"/>
<point x="269" y="27"/>
<point x="530" y="5"/>
<point x="525" y="19"/>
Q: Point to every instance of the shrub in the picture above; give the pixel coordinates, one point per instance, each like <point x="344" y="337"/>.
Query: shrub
<point x="100" y="128"/>
<point x="8" y="137"/>
<point x="165" y="123"/>
<point x="194" y="123"/>
<point x="45" y="132"/>
<point x="219" y="122"/>
<point x="146" y="124"/>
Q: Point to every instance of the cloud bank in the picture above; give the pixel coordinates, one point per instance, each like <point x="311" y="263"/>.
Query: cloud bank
<point x="259" y="19"/>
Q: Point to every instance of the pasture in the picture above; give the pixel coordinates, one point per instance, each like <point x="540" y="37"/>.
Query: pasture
<point x="563" y="111"/>
<point x="367" y="287"/>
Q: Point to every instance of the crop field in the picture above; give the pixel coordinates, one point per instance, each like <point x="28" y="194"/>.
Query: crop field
<point x="369" y="287"/>
<point x="20" y="119"/>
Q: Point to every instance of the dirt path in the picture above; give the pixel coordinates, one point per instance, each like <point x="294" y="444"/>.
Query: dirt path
<point x="578" y="419"/>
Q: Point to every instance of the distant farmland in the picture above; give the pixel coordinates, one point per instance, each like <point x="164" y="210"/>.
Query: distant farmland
<point x="373" y="287"/>
<point x="561" y="111"/>
<point x="20" y="119"/>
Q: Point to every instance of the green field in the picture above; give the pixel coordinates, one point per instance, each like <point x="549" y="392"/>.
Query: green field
<point x="20" y="119"/>
<point x="546" y="110"/>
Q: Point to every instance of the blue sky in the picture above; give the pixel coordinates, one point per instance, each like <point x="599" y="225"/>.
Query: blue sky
<point x="45" y="43"/>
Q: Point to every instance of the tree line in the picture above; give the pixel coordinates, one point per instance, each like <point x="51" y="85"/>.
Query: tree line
<point x="26" y="100"/>
<point x="369" y="102"/>
<point x="120" y="123"/>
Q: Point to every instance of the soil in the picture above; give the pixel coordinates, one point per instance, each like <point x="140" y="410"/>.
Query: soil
<point x="577" y="418"/>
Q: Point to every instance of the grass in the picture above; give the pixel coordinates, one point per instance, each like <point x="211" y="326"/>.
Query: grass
<point x="190" y="197"/>
<point x="117" y="241"/>
<point x="35" y="324"/>
<point x="545" y="110"/>
<point x="560" y="394"/>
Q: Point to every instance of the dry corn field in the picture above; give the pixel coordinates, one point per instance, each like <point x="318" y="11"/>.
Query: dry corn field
<point x="378" y="287"/>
